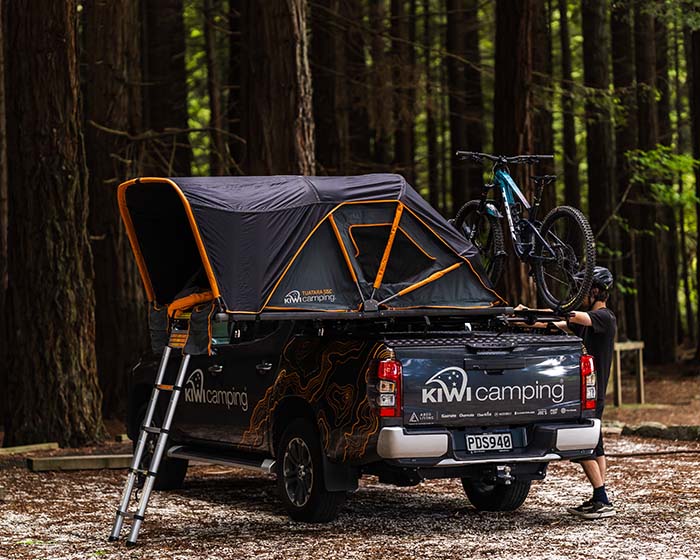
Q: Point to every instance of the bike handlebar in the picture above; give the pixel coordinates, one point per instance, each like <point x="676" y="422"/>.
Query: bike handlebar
<point x="478" y="156"/>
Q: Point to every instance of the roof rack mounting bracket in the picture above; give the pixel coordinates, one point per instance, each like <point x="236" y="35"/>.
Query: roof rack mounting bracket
<point x="370" y="305"/>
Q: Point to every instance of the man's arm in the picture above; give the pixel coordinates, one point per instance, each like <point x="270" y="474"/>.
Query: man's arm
<point x="580" y="318"/>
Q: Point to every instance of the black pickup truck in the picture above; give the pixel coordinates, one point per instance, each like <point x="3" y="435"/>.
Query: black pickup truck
<point x="406" y="400"/>
<point x="332" y="327"/>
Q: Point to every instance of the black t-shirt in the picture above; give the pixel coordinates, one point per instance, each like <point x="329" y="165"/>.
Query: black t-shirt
<point x="599" y="340"/>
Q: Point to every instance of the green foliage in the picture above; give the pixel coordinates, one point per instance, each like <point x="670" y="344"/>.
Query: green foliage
<point x="659" y="169"/>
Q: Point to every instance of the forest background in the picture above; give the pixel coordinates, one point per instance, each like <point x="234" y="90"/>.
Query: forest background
<point x="98" y="91"/>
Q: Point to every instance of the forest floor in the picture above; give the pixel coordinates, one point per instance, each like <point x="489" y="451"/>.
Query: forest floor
<point x="230" y="513"/>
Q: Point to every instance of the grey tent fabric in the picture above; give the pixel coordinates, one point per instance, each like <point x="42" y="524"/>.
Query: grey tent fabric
<point x="271" y="244"/>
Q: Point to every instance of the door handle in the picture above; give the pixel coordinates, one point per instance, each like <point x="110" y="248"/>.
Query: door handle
<point x="264" y="367"/>
<point x="216" y="369"/>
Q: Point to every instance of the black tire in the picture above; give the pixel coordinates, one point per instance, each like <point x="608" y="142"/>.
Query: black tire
<point x="300" y="476"/>
<point x="496" y="497"/>
<point x="485" y="233"/>
<point x="171" y="472"/>
<point x="569" y="234"/>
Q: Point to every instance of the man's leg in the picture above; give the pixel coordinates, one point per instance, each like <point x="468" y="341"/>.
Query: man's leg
<point x="602" y="465"/>
<point x="592" y="470"/>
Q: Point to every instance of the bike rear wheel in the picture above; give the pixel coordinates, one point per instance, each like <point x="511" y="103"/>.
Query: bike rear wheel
<point x="485" y="233"/>
<point x="568" y="252"/>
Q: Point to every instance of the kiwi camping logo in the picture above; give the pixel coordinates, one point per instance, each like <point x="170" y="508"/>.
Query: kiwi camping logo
<point x="325" y="295"/>
<point x="195" y="392"/>
<point x="450" y="385"/>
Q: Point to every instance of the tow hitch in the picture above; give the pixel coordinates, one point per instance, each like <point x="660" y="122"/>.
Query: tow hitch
<point x="503" y="474"/>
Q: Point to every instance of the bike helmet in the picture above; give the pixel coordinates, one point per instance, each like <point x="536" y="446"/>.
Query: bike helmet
<point x="602" y="277"/>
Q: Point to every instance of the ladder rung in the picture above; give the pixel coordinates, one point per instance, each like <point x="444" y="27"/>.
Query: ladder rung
<point x="139" y="471"/>
<point x="164" y="387"/>
<point x="129" y="515"/>
<point x="155" y="430"/>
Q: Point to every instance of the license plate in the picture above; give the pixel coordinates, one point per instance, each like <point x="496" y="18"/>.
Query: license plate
<point x="489" y="442"/>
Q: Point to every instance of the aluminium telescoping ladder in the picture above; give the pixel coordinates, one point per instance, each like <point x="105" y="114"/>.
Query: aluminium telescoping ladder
<point x="148" y="428"/>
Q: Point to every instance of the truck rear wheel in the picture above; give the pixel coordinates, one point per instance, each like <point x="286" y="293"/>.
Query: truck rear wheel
<point x="496" y="497"/>
<point x="300" y="476"/>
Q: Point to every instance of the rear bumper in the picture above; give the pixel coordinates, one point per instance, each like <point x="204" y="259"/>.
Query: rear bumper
<point x="548" y="443"/>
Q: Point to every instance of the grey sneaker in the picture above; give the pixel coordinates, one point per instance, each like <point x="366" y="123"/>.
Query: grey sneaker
<point x="593" y="510"/>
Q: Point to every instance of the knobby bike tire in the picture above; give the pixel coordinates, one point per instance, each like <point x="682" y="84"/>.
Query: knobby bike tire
<point x="496" y="252"/>
<point x="575" y="297"/>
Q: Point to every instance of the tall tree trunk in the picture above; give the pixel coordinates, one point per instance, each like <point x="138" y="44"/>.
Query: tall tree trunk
<point x="666" y="213"/>
<point x="693" y="67"/>
<point x="217" y="149"/>
<point x="413" y="85"/>
<point x="50" y="302"/>
<point x="599" y="142"/>
<point x="165" y="94"/>
<point x="381" y="112"/>
<point x="357" y="80"/>
<point x="625" y="140"/>
<point x="543" y="129"/>
<point x="681" y="145"/>
<point x="465" y="97"/>
<point x="236" y="144"/>
<point x="278" y="114"/>
<point x="572" y="185"/>
<point x="112" y="100"/>
<point x="473" y="100"/>
<point x="3" y="166"/>
<point x="513" y="127"/>
<point x="659" y="310"/>
<point x="402" y="76"/>
<point x="4" y="214"/>
<point x="330" y="104"/>
<point x="430" y="108"/>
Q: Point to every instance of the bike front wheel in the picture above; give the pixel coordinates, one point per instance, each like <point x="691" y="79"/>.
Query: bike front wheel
<point x="564" y="258"/>
<point x="485" y="233"/>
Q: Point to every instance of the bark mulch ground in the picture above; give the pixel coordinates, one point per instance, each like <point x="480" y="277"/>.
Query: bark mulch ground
<point x="228" y="513"/>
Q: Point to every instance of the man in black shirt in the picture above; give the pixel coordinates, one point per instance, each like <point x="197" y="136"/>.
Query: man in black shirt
<point x="597" y="327"/>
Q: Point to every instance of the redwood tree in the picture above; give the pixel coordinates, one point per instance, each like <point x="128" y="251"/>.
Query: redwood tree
<point x="513" y="127"/>
<point x="54" y="393"/>
<point x="402" y="73"/>
<point x="330" y="88"/>
<point x="693" y="58"/>
<point x="572" y="186"/>
<point x="165" y="91"/>
<point x="112" y="101"/>
<point x="658" y="307"/>
<point x="277" y="110"/>
<point x="543" y="123"/>
<point x="599" y="140"/>
<point x="464" y="95"/>
<point x="625" y="140"/>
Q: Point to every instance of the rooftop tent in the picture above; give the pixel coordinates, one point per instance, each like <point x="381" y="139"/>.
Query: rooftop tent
<point x="292" y="243"/>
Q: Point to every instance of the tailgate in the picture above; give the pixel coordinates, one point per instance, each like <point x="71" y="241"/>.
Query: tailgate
<point x="483" y="379"/>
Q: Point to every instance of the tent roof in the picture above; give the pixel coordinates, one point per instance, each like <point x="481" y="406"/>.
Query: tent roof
<point x="284" y="192"/>
<point x="259" y="243"/>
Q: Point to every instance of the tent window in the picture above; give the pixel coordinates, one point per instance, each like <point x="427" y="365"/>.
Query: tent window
<point x="407" y="258"/>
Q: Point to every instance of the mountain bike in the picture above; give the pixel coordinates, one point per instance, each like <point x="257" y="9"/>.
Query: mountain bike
<point x="560" y="250"/>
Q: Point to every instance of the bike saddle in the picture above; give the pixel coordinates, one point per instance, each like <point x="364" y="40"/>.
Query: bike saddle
<point x="543" y="178"/>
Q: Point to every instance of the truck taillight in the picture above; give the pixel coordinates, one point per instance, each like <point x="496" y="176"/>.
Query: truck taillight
<point x="588" y="382"/>
<point x="389" y="387"/>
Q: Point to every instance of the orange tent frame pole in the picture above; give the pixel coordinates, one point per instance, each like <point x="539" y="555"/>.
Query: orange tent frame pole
<point x="434" y="276"/>
<point x="387" y="249"/>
